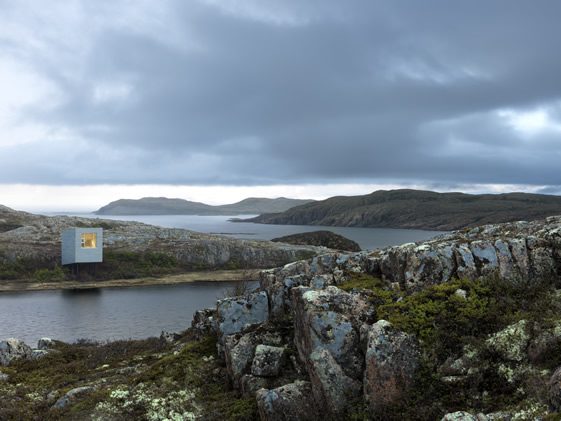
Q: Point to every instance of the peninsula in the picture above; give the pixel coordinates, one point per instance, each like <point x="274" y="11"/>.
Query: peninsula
<point x="416" y="209"/>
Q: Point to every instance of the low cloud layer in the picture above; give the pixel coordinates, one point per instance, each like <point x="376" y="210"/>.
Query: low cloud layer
<point x="280" y="92"/>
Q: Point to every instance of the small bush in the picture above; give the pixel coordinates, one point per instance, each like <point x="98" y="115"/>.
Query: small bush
<point x="50" y="275"/>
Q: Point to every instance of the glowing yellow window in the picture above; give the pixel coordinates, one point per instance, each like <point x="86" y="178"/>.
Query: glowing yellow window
<point x="88" y="240"/>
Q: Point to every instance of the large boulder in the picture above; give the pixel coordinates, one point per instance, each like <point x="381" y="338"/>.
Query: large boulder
<point x="267" y="361"/>
<point x="45" y="344"/>
<point x="511" y="343"/>
<point x="204" y="322"/>
<point x="239" y="352"/>
<point x="71" y="396"/>
<point x="238" y="313"/>
<point x="392" y="360"/>
<point x="334" y="391"/>
<point x="13" y="349"/>
<point x="290" y="402"/>
<point x="329" y="319"/>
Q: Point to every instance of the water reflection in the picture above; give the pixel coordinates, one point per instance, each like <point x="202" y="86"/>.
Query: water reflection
<point x="102" y="314"/>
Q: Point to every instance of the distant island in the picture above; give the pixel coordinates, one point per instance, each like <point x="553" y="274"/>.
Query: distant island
<point x="165" y="206"/>
<point x="320" y="238"/>
<point x="417" y="209"/>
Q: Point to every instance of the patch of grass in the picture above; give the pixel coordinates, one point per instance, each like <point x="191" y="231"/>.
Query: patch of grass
<point x="25" y="268"/>
<point x="105" y="225"/>
<point x="362" y="281"/>
<point x="50" y="275"/>
<point x="128" y="265"/>
<point x="443" y="320"/>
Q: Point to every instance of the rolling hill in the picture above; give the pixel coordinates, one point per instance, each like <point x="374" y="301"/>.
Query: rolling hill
<point x="165" y="206"/>
<point x="418" y="209"/>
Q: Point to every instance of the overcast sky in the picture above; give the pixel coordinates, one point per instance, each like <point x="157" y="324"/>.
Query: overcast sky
<point x="216" y="100"/>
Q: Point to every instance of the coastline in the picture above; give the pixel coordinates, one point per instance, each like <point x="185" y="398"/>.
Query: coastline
<point x="189" y="277"/>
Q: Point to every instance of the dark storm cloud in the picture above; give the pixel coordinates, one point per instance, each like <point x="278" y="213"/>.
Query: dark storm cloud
<point x="277" y="92"/>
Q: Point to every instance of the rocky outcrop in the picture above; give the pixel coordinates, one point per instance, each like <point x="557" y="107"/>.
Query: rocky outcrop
<point x="238" y="313"/>
<point x="344" y="357"/>
<point x="292" y="401"/>
<point x="517" y="251"/>
<point x="71" y="396"/>
<point x="13" y="349"/>
<point x="392" y="359"/>
<point x="37" y="237"/>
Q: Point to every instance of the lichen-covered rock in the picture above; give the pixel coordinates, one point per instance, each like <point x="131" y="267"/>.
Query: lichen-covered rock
<point x="290" y="402"/>
<point x="37" y="354"/>
<point x="554" y="390"/>
<point x="239" y="351"/>
<point x="4" y="377"/>
<point x="204" y="322"/>
<point x="325" y="319"/>
<point x="459" y="416"/>
<point x="45" y="343"/>
<point x="392" y="359"/>
<point x="468" y="364"/>
<point x="512" y="342"/>
<point x="169" y="337"/>
<point x="250" y="384"/>
<point x="72" y="396"/>
<point x="13" y="349"/>
<point x="238" y="313"/>
<point x="333" y="390"/>
<point x="267" y="361"/>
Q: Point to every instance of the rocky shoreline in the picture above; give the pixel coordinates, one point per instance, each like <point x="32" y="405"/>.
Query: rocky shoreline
<point x="462" y="327"/>
<point x="30" y="247"/>
<point x="204" y="276"/>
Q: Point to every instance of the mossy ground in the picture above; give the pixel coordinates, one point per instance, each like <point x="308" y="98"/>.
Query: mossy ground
<point x="133" y="380"/>
<point x="445" y="322"/>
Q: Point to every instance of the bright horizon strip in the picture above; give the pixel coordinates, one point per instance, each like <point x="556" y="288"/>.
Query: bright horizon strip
<point x="87" y="198"/>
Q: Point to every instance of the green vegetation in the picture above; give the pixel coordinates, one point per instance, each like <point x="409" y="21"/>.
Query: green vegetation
<point x="129" y="265"/>
<point x="56" y="274"/>
<point x="28" y="268"/>
<point x="320" y="238"/>
<point x="451" y="323"/>
<point x="407" y="208"/>
<point x="96" y="224"/>
<point x="132" y="380"/>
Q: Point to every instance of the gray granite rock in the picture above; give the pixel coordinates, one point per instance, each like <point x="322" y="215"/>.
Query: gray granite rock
<point x="392" y="359"/>
<point x="333" y="390"/>
<point x="459" y="416"/>
<point x="13" y="349"/>
<point x="291" y="402"/>
<point x="238" y="313"/>
<point x="45" y="343"/>
<point x="329" y="319"/>
<point x="267" y="361"/>
<point x="72" y="396"/>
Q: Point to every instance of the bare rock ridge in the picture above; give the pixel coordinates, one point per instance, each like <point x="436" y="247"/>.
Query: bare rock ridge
<point x="165" y="206"/>
<point x="306" y="348"/>
<point x="418" y="209"/>
<point x="37" y="238"/>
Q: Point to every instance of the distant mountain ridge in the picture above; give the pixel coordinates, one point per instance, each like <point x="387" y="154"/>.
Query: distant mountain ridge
<point x="165" y="206"/>
<point x="417" y="209"/>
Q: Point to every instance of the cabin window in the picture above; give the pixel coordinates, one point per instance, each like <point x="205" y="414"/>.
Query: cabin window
<point x="88" y="240"/>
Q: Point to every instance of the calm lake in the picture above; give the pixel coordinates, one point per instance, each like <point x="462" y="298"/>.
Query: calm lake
<point x="118" y="313"/>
